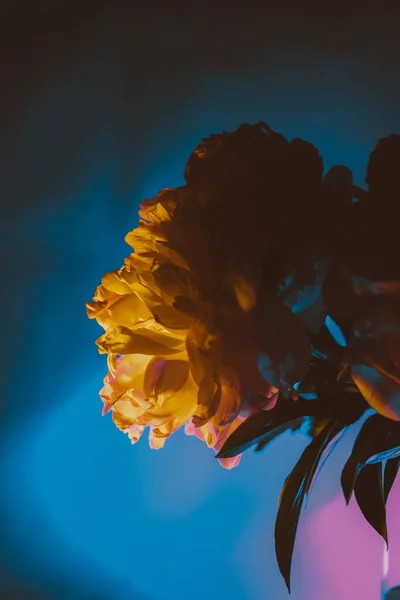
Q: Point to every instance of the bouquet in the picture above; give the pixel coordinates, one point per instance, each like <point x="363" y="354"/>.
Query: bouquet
<point x="263" y="296"/>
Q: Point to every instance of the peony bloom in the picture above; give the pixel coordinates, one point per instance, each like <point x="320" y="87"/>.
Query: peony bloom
<point x="224" y="306"/>
<point x="259" y="298"/>
<point x="193" y="295"/>
<point x="179" y="353"/>
<point x="383" y="170"/>
<point x="231" y="288"/>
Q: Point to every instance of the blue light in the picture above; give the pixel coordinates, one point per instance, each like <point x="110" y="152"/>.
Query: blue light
<point x="83" y="507"/>
<point x="335" y="332"/>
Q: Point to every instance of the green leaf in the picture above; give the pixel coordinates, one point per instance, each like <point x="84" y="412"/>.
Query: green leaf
<point x="369" y="494"/>
<point x="296" y="487"/>
<point x="378" y="437"/>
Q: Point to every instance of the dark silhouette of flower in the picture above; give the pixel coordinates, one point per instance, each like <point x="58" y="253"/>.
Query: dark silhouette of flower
<point x="263" y="296"/>
<point x="383" y="170"/>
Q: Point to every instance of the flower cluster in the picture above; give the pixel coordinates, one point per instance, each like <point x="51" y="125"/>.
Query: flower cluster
<point x="190" y="329"/>
<point x="260" y="296"/>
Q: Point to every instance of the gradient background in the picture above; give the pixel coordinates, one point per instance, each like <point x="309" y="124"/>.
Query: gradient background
<point x="100" y="108"/>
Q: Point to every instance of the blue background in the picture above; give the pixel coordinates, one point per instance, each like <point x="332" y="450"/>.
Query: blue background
<point x="83" y="513"/>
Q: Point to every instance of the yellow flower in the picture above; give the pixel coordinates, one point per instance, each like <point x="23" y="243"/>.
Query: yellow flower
<point x="191" y="334"/>
<point x="145" y="391"/>
<point x="177" y="334"/>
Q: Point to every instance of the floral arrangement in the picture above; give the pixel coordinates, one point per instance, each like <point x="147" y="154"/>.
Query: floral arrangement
<point x="263" y="296"/>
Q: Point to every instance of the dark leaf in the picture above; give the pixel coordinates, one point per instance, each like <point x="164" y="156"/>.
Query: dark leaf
<point x="296" y="487"/>
<point x="377" y="437"/>
<point x="313" y="425"/>
<point x="257" y="427"/>
<point x="272" y="435"/>
<point x="388" y="454"/>
<point x="325" y="348"/>
<point x="345" y="408"/>
<point x="391" y="469"/>
<point x="267" y="424"/>
<point x="369" y="494"/>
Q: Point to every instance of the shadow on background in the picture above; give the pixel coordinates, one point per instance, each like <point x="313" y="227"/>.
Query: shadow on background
<point x="101" y="109"/>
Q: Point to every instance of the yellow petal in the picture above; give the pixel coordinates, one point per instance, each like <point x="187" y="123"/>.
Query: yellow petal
<point x="148" y="210"/>
<point x="171" y="318"/>
<point x="156" y="441"/>
<point x="126" y="381"/>
<point x="125" y="414"/>
<point x="231" y="399"/>
<point x="126" y="311"/>
<point x="225" y="411"/>
<point x="145" y="236"/>
<point x="200" y="365"/>
<point x="185" y="305"/>
<point x="121" y="340"/>
<point x="134" y="262"/>
<point x="144" y="286"/>
<point x="175" y="411"/>
<point x="162" y="255"/>
<point x="93" y="309"/>
<point x="115" y="283"/>
<point x="160" y="208"/>
<point x="102" y="294"/>
<point x="121" y="421"/>
<point x="205" y="336"/>
<point x="174" y="281"/>
<point x="112" y="363"/>
<point x="165" y="377"/>
<point x="171" y="255"/>
<point x="208" y="401"/>
<point x="245" y="293"/>
<point x="134" y="432"/>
